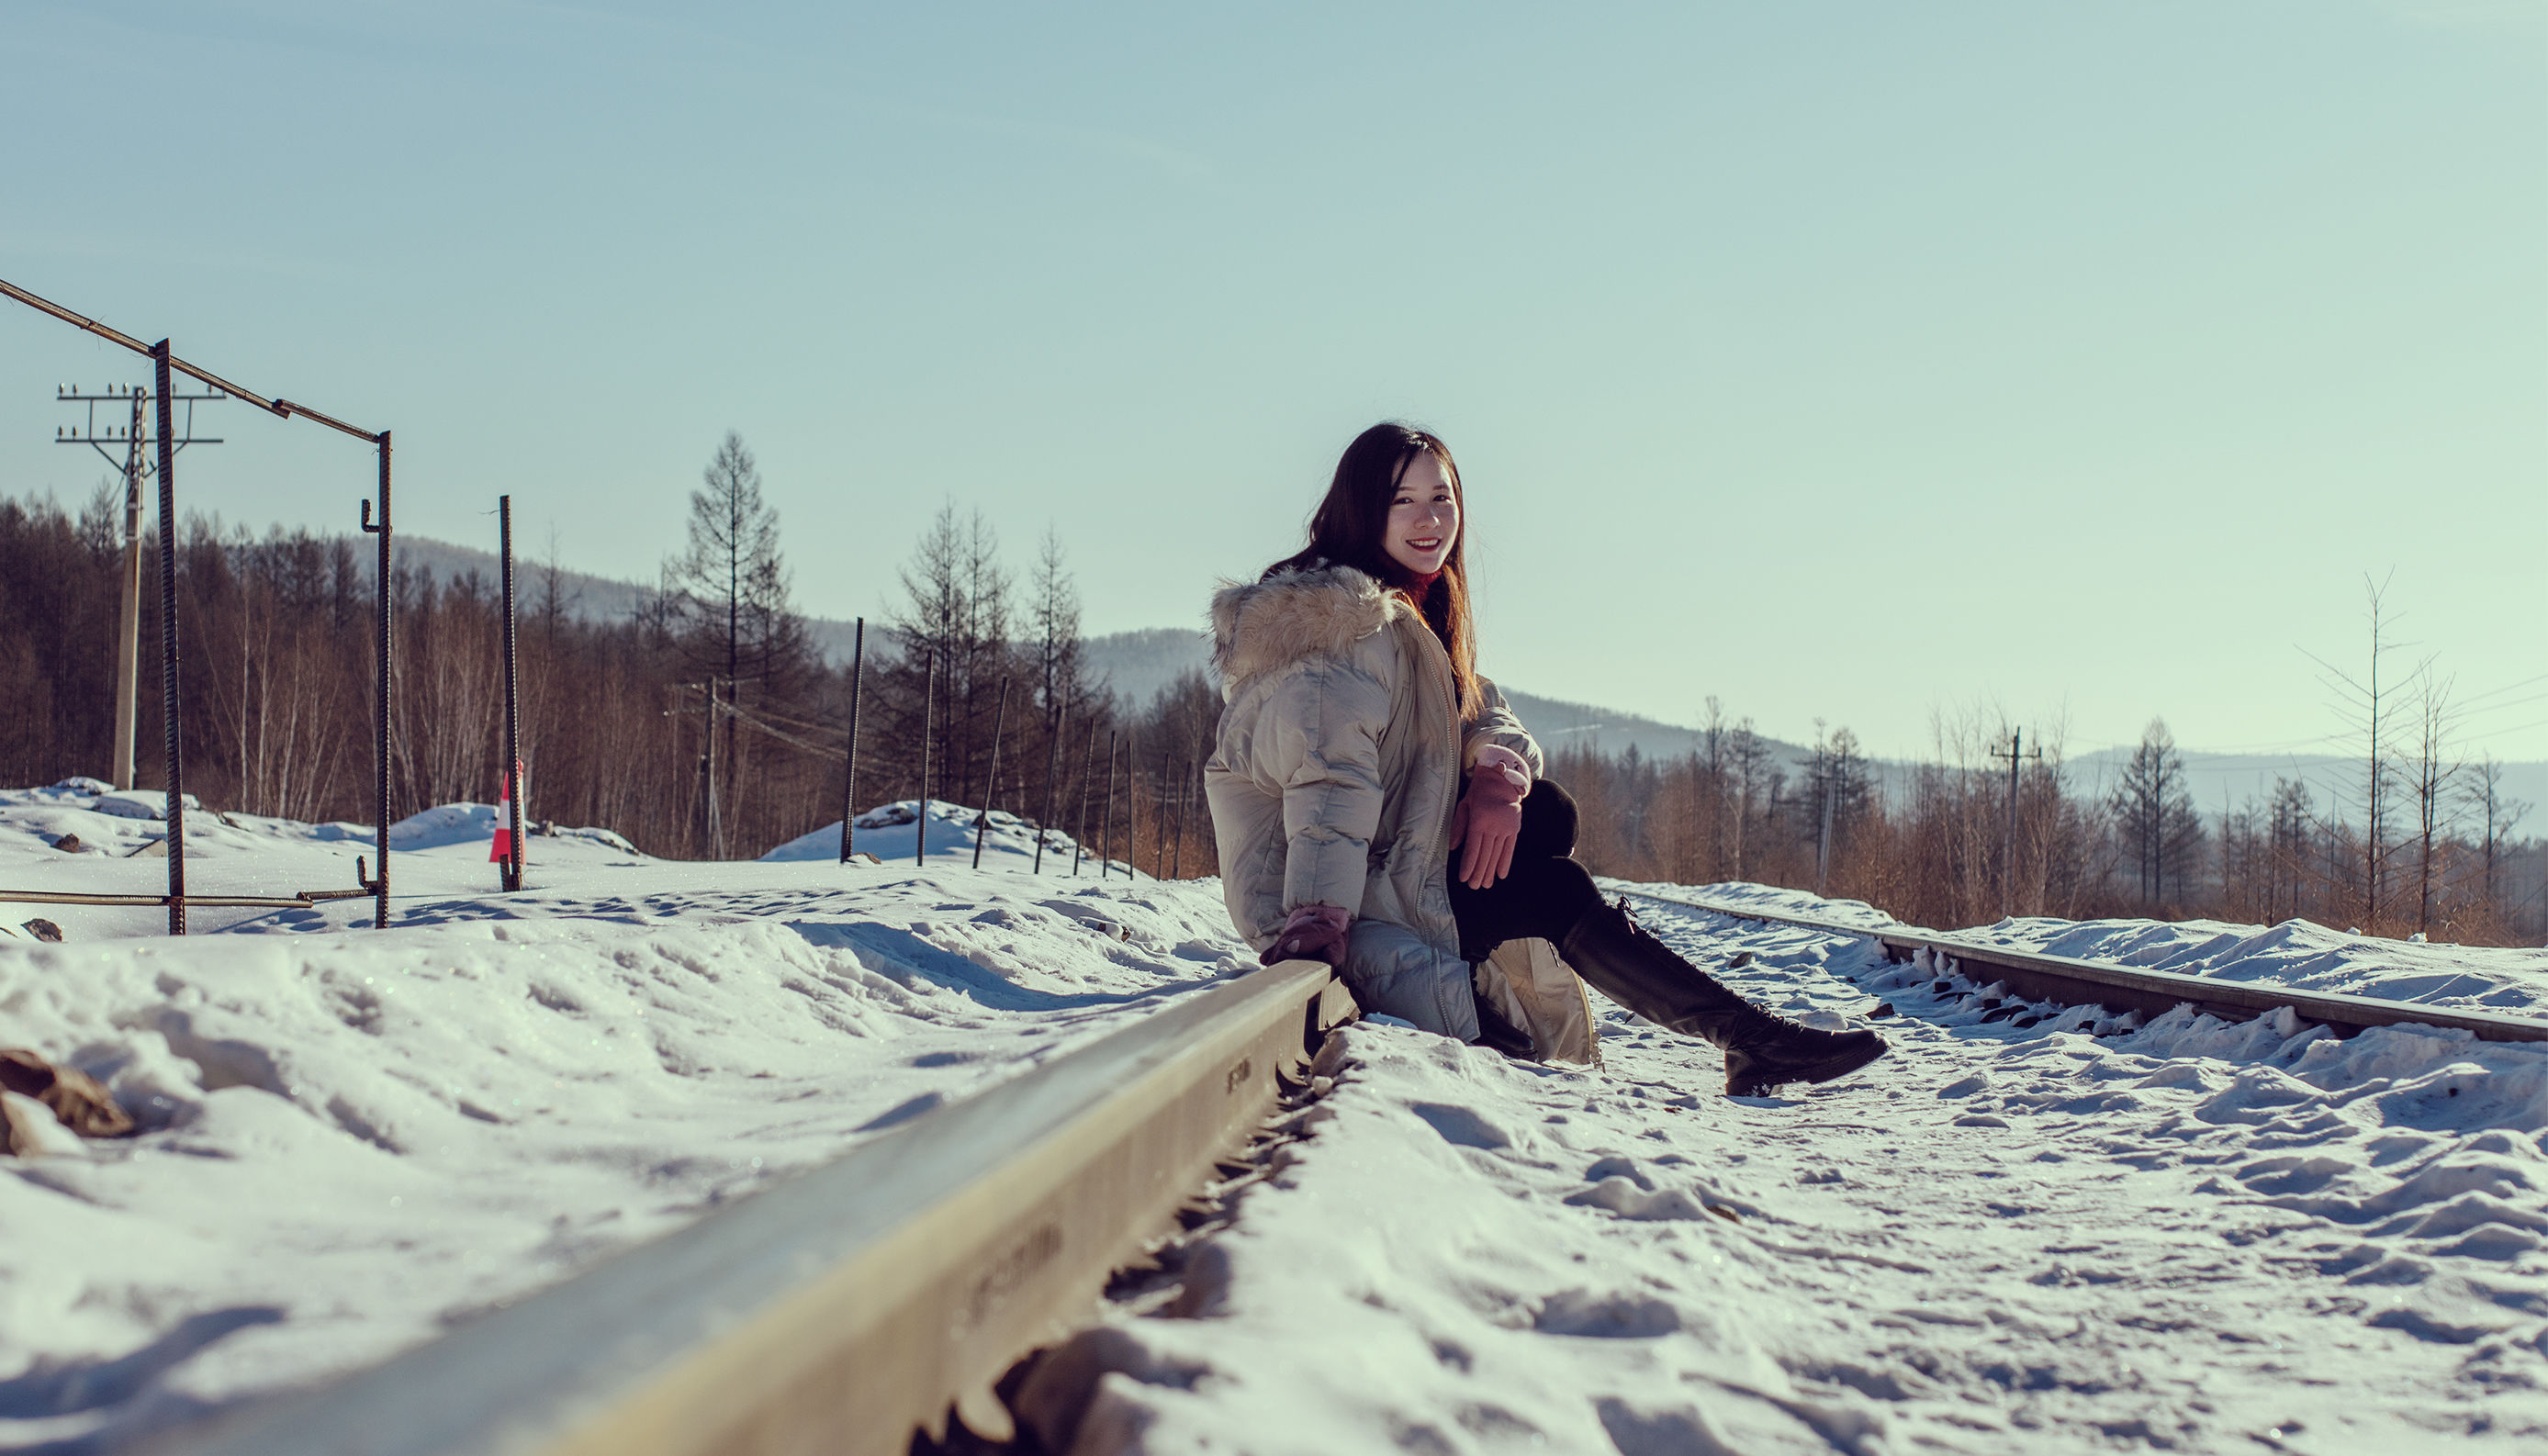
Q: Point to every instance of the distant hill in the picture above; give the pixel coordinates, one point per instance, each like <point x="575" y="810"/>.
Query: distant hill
<point x="586" y="597"/>
<point x="1136" y="665"/>
<point x="1139" y="664"/>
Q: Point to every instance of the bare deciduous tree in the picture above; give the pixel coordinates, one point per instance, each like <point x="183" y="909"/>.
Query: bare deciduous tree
<point x="2155" y="814"/>
<point x="726" y="602"/>
<point x="2370" y="707"/>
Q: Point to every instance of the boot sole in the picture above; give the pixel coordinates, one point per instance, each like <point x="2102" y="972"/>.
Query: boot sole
<point x="1825" y="1070"/>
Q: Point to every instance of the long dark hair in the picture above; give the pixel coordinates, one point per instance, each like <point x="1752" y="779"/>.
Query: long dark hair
<point x="1351" y="525"/>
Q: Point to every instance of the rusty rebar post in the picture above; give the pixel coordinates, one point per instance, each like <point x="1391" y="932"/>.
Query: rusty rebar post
<point x="381" y="743"/>
<point x="176" y="767"/>
<point x="513" y="702"/>
<point x="1106" y="816"/>
<point x="850" y="778"/>
<point x="1079" y="835"/>
<point x="1132" y="804"/>
<point x="1160" y="817"/>
<point x="1178" y="857"/>
<point x="991" y="785"/>
<point x="928" y="728"/>
<point x="1051" y="766"/>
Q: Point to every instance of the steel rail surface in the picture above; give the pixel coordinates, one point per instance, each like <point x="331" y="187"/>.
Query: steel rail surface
<point x="258" y="902"/>
<point x="841" y="1310"/>
<point x="2076" y="982"/>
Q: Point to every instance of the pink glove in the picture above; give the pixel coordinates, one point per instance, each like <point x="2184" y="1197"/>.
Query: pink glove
<point x="1313" y="932"/>
<point x="1488" y="816"/>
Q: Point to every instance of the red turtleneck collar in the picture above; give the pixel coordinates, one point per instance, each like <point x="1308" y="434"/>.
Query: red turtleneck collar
<point x="1417" y="586"/>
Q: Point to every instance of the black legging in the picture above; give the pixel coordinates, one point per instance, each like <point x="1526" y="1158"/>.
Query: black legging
<point x="1543" y="896"/>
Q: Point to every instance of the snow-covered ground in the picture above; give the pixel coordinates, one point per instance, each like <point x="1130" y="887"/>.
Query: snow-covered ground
<point x="2009" y="1236"/>
<point x="2000" y="1238"/>
<point x="354" y="1137"/>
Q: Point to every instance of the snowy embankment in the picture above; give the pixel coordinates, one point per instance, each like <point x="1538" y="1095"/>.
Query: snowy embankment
<point x="2002" y="1238"/>
<point x="353" y="1138"/>
<point x="2297" y="953"/>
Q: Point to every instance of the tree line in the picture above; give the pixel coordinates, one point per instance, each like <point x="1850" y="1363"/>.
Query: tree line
<point x="1961" y="840"/>
<point x="706" y="726"/>
<point x="703" y="726"/>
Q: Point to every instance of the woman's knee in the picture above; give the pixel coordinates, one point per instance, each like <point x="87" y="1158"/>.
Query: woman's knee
<point x="1565" y="887"/>
<point x="1547" y="822"/>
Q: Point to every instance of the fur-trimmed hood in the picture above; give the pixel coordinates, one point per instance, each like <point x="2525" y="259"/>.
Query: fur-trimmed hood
<point x="1262" y="625"/>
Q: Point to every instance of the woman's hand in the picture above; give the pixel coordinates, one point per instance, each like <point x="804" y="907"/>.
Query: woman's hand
<point x="1313" y="932"/>
<point x="1488" y="819"/>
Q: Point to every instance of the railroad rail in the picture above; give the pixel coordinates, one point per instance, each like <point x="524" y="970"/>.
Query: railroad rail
<point x="250" y="902"/>
<point x="854" y="1305"/>
<point x="2076" y="982"/>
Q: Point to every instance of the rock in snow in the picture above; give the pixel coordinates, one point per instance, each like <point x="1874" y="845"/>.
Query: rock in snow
<point x="2010" y="1236"/>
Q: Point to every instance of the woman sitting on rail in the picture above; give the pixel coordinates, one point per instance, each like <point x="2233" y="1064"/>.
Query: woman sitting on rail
<point x="1359" y="749"/>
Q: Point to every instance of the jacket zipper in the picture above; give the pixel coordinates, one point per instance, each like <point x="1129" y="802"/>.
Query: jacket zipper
<point x="1438" y="672"/>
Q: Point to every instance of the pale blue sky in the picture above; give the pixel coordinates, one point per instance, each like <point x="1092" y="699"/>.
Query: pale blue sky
<point x="1844" y="361"/>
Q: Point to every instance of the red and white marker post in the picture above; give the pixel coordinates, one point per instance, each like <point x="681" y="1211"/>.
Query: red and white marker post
<point x="507" y="848"/>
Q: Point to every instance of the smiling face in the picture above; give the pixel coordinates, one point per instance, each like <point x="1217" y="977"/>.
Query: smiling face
<point x="1423" y="518"/>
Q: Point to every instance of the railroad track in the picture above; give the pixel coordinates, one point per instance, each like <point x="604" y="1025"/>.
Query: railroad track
<point x="2071" y="981"/>
<point x="886" y="1292"/>
<point x="846" y="1308"/>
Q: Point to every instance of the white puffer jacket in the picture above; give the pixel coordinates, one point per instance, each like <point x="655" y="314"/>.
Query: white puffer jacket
<point x="1340" y="756"/>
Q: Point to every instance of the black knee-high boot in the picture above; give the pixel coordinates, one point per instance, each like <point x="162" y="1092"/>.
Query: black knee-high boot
<point x="1761" y="1051"/>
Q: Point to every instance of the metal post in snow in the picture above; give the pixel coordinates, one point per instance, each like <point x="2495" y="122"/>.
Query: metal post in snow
<point x="1160" y="817"/>
<point x="512" y="702"/>
<point x="991" y="785"/>
<point x="1051" y="766"/>
<point x="176" y="767"/>
<point x="850" y="780"/>
<point x="927" y="726"/>
<point x="380" y="885"/>
<point x="1079" y="836"/>
<point x="1177" y="832"/>
<point x="1106" y="816"/>
<point x="1822" y="847"/>
<point x="1131" y="811"/>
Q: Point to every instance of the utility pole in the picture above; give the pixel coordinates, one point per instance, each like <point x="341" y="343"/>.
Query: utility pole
<point x="135" y="466"/>
<point x="705" y="824"/>
<point x="2008" y="866"/>
<point x="714" y="820"/>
